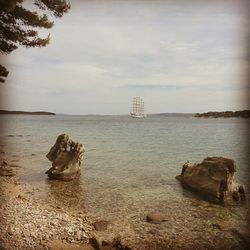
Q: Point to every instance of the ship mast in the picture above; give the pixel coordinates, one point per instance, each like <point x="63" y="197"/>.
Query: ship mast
<point x="138" y="106"/>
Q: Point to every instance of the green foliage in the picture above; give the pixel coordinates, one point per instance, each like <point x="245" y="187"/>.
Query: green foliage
<point x="3" y="73"/>
<point x="17" y="25"/>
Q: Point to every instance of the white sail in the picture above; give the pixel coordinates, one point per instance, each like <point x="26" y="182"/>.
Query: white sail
<point x="138" y="108"/>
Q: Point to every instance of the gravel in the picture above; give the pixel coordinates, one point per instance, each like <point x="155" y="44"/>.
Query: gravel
<point x="27" y="224"/>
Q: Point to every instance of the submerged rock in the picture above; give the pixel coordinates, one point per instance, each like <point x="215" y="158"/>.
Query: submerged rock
<point x="6" y="168"/>
<point x="156" y="218"/>
<point x="66" y="157"/>
<point x="100" y="225"/>
<point x="214" y="178"/>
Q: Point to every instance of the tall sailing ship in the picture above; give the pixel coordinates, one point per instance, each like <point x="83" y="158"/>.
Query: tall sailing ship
<point x="138" y="109"/>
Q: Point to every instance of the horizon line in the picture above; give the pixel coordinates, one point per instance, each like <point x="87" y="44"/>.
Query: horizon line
<point x="98" y="114"/>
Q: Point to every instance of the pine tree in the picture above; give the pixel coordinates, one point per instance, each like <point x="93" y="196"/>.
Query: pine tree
<point x="17" y="25"/>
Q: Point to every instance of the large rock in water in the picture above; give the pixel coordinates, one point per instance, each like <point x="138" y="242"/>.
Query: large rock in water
<point x="66" y="157"/>
<point x="214" y="178"/>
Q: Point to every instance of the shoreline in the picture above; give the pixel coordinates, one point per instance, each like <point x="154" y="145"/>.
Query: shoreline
<point x="28" y="222"/>
<point x="224" y="114"/>
<point x="7" y="112"/>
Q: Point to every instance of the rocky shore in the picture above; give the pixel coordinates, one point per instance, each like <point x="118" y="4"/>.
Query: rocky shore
<point x="26" y="224"/>
<point x="29" y="222"/>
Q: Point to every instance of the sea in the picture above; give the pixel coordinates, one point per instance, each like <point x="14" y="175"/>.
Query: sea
<point x="129" y="165"/>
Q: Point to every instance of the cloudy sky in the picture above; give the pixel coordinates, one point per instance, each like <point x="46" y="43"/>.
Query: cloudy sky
<point x="178" y="56"/>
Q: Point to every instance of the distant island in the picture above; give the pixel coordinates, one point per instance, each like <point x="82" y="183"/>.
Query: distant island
<point x="172" y="114"/>
<point x="225" y="114"/>
<point x="7" y="112"/>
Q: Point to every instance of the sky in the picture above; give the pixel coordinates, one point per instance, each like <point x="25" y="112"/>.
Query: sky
<point x="179" y="56"/>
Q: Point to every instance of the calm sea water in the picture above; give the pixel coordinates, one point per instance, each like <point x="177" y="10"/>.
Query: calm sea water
<point x="130" y="164"/>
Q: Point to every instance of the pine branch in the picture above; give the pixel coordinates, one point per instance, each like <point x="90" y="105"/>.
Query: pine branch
<point x="17" y="25"/>
<point x="31" y="18"/>
<point x="3" y="73"/>
<point x="57" y="7"/>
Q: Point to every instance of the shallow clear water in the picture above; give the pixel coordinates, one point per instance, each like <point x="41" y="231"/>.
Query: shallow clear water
<point x="130" y="164"/>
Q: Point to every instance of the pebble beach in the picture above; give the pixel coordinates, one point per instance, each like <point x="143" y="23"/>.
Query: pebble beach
<point x="27" y="222"/>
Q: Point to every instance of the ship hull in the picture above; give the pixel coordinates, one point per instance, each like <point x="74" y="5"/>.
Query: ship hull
<point x="137" y="116"/>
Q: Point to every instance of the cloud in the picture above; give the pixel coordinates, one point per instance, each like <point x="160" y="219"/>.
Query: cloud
<point x="155" y="87"/>
<point x="104" y="53"/>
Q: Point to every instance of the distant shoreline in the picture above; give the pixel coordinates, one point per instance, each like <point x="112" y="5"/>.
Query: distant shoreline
<point x="210" y="114"/>
<point x="224" y="114"/>
<point x="7" y="112"/>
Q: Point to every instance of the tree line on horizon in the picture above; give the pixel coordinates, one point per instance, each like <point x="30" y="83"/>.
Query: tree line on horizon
<point x="224" y="114"/>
